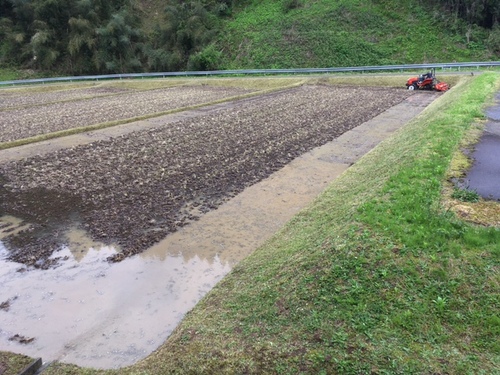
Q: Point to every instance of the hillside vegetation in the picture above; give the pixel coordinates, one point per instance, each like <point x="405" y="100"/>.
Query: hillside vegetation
<point x="327" y="33"/>
<point x="94" y="36"/>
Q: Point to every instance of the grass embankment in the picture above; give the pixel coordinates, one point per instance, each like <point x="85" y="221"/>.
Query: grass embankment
<point x="375" y="277"/>
<point x="8" y="74"/>
<point x="325" y="33"/>
<point x="13" y="364"/>
<point x="11" y="74"/>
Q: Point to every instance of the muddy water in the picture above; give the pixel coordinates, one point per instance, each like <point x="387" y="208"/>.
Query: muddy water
<point x="484" y="175"/>
<point x="93" y="313"/>
<point x="97" y="314"/>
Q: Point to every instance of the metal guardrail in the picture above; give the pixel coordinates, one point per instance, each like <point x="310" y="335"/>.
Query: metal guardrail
<point x="361" y="69"/>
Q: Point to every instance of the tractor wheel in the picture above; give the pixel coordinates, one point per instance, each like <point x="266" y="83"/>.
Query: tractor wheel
<point x="412" y="87"/>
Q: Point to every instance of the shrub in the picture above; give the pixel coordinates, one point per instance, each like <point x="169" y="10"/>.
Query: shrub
<point x="493" y="41"/>
<point x="207" y="59"/>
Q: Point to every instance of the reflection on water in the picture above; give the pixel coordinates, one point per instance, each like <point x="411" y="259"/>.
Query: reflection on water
<point x="99" y="314"/>
<point x="10" y="226"/>
<point x="36" y="223"/>
<point x="493" y="112"/>
<point x="81" y="243"/>
<point x="484" y="174"/>
<point x="94" y="313"/>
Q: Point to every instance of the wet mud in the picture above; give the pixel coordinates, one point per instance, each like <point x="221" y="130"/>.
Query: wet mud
<point x="97" y="314"/>
<point x="484" y="174"/>
<point x="133" y="190"/>
<point x="33" y="227"/>
<point x="76" y="307"/>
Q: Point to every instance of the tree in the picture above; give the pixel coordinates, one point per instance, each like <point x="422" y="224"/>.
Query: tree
<point x="15" y="31"/>
<point x="187" y="28"/>
<point x="50" y="38"/>
<point x="494" y="40"/>
<point x="24" y="14"/>
<point x="120" y="43"/>
<point x="484" y="13"/>
<point x="82" y="44"/>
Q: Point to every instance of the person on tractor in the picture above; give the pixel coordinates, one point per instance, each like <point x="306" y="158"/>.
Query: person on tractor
<point x="423" y="77"/>
<point x="426" y="81"/>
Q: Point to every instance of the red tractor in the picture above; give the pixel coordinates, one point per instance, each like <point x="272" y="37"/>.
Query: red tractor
<point x="426" y="81"/>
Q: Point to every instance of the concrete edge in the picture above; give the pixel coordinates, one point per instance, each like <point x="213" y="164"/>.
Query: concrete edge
<point x="32" y="368"/>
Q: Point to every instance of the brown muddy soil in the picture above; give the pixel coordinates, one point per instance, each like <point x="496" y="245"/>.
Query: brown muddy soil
<point x="135" y="189"/>
<point x="73" y="109"/>
<point x="17" y="99"/>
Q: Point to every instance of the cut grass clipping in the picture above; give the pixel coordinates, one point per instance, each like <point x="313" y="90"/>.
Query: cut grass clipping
<point x="374" y="278"/>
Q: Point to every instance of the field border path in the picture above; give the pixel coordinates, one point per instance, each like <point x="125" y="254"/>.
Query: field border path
<point x="246" y="221"/>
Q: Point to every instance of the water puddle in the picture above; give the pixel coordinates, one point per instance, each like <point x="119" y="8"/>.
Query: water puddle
<point x="484" y="175"/>
<point x="95" y="313"/>
<point x="493" y="112"/>
<point x="11" y="226"/>
<point x="90" y="312"/>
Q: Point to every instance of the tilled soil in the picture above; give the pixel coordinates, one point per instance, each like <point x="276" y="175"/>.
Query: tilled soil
<point x="136" y="189"/>
<point x="27" y="122"/>
<point x="9" y="100"/>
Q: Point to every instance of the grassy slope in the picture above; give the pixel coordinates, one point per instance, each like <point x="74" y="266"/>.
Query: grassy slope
<point x="9" y="74"/>
<point x="373" y="278"/>
<point x="326" y="33"/>
<point x="13" y="364"/>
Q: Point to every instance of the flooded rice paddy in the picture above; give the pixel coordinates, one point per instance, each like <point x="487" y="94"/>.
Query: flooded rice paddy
<point x="80" y="308"/>
<point x="484" y="174"/>
<point x="98" y="314"/>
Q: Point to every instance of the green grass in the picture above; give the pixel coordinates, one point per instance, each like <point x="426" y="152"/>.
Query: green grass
<point x="13" y="364"/>
<point x="465" y="195"/>
<point x="375" y="277"/>
<point x="326" y="33"/>
<point x="9" y="74"/>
